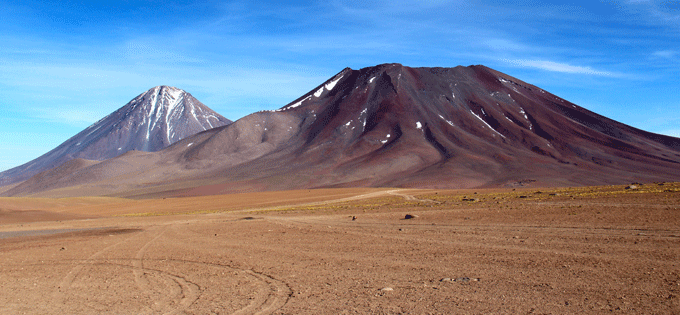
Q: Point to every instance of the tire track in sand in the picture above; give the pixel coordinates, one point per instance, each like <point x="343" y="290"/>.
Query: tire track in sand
<point x="178" y="294"/>
<point x="67" y="281"/>
<point x="271" y="296"/>
<point x="188" y="291"/>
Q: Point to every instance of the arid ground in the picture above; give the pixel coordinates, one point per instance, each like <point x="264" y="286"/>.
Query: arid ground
<point x="604" y="249"/>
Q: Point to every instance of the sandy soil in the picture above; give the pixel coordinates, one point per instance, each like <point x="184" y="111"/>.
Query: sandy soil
<point x="554" y="251"/>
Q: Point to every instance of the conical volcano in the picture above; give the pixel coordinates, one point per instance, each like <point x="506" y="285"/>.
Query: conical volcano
<point x="459" y="127"/>
<point x="395" y="126"/>
<point x="151" y="121"/>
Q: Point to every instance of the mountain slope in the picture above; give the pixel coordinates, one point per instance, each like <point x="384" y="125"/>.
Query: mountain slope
<point x="392" y="125"/>
<point x="151" y="121"/>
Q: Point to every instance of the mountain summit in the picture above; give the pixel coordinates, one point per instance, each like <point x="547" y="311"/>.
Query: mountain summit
<point x="390" y="126"/>
<point x="151" y="121"/>
<point x="461" y="127"/>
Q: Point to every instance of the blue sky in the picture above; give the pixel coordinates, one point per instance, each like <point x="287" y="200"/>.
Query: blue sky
<point x="66" y="64"/>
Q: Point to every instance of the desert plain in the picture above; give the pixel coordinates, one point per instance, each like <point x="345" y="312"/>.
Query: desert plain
<point x="584" y="250"/>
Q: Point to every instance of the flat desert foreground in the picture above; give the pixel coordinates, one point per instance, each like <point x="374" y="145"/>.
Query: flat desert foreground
<point x="593" y="250"/>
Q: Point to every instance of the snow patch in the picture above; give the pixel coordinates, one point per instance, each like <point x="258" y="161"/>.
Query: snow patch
<point x="447" y="121"/>
<point x="487" y="124"/>
<point x="190" y="144"/>
<point x="297" y="104"/>
<point x="419" y="125"/>
<point x="318" y="92"/>
<point x="348" y="123"/>
<point x="503" y="80"/>
<point x="331" y="85"/>
<point x="371" y="80"/>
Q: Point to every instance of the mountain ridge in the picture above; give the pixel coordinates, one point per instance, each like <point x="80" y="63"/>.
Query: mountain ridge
<point x="397" y="126"/>
<point x="149" y="122"/>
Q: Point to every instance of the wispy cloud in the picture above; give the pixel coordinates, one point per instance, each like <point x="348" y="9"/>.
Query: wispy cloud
<point x="672" y="133"/>
<point x="667" y="54"/>
<point x="559" y="67"/>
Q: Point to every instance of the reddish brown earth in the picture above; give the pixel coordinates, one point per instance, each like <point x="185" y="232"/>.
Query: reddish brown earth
<point x="388" y="126"/>
<point x="590" y="250"/>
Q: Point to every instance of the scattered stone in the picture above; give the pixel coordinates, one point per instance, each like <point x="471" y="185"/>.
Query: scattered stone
<point x="386" y="289"/>
<point x="523" y="196"/>
<point x="248" y="218"/>
<point x="632" y="187"/>
<point x="461" y="279"/>
<point x="410" y="216"/>
<point x="354" y="218"/>
<point x="470" y="199"/>
<point x="465" y="279"/>
<point x="63" y="248"/>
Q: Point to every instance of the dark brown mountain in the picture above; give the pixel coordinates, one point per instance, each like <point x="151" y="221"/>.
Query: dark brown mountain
<point x="151" y="121"/>
<point x="392" y="125"/>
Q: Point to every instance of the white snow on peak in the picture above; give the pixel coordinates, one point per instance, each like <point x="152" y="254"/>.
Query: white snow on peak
<point x="371" y="80"/>
<point x="120" y="149"/>
<point x="318" y="92"/>
<point x="348" y="123"/>
<point x="503" y="80"/>
<point x="419" y="125"/>
<point x="298" y="103"/>
<point x="388" y="135"/>
<point x="190" y="144"/>
<point x="174" y="92"/>
<point x="332" y="84"/>
<point x="383" y="141"/>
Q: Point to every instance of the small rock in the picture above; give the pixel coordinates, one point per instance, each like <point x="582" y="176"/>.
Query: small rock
<point x="354" y="218"/>
<point x="632" y="187"/>
<point x="445" y="280"/>
<point x="386" y="289"/>
<point x="410" y="216"/>
<point x="63" y="248"/>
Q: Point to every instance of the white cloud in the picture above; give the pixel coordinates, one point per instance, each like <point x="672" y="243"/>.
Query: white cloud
<point x="672" y="133"/>
<point x="668" y="54"/>
<point x="558" y="67"/>
<point x="75" y="117"/>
